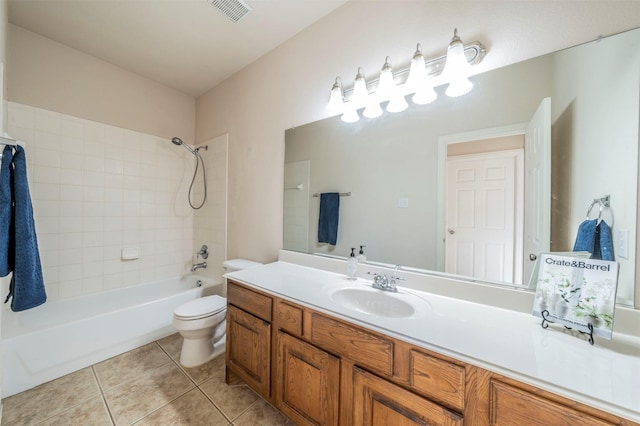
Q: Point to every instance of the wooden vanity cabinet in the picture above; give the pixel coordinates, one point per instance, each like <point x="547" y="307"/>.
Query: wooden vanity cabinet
<point x="248" y="353"/>
<point x="377" y="402"/>
<point x="321" y="370"/>
<point x="307" y="382"/>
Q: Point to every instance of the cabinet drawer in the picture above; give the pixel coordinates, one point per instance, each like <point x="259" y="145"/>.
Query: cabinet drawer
<point x="357" y="344"/>
<point x="510" y="406"/>
<point x="249" y="301"/>
<point x="289" y="318"/>
<point x="438" y="379"/>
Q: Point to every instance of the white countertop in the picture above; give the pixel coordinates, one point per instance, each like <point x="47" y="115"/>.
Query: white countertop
<point x="500" y="340"/>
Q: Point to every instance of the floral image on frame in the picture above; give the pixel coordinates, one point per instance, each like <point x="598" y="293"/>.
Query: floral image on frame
<point x="576" y="292"/>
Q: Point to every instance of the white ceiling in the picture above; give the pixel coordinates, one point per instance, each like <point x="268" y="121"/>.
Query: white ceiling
<point x="185" y="44"/>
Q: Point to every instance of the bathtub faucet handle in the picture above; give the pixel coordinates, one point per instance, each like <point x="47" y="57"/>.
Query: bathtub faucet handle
<point x="203" y="252"/>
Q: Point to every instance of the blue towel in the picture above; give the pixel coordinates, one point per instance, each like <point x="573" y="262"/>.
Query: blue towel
<point x="328" y="221"/>
<point x="586" y="237"/>
<point x="27" y="285"/>
<point x="603" y="248"/>
<point x="5" y="210"/>
<point x="595" y="238"/>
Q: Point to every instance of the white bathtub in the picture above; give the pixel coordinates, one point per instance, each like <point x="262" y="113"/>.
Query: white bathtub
<point x="57" y="338"/>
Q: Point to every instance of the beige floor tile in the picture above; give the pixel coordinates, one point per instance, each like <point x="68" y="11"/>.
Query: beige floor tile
<point x="213" y="369"/>
<point x="135" y="399"/>
<point x="50" y="399"/>
<point x="263" y="414"/>
<point x="92" y="412"/>
<point x="192" y="408"/>
<point x="172" y="345"/>
<point x="231" y="400"/>
<point x="130" y="365"/>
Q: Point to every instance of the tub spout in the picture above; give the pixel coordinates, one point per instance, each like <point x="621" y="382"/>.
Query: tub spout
<point x="197" y="266"/>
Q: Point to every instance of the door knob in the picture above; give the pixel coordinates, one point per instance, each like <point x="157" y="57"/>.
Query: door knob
<point x="532" y="257"/>
<point x="451" y="231"/>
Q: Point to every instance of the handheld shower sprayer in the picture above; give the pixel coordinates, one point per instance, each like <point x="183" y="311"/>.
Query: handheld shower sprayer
<point x="196" y="152"/>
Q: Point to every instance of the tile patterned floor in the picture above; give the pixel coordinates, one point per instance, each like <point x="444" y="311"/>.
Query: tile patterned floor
<point x="146" y="386"/>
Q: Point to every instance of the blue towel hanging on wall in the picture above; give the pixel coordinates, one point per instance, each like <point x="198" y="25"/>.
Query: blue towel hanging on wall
<point x="6" y="208"/>
<point x="328" y="220"/>
<point x="27" y="284"/>
<point x="595" y="238"/>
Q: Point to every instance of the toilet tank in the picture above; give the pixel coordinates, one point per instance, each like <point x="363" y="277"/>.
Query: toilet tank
<point x="239" y="264"/>
<point x="232" y="265"/>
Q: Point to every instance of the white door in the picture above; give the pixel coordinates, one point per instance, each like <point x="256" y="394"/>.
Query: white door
<point x="537" y="198"/>
<point x="481" y="215"/>
<point x="296" y="206"/>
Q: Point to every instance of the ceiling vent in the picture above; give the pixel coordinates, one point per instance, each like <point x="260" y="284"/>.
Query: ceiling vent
<point x="234" y="9"/>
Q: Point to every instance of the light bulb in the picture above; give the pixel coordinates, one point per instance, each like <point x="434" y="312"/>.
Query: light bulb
<point x="336" y="100"/>
<point x="350" y="114"/>
<point x="419" y="81"/>
<point x="360" y="92"/>
<point x="457" y="69"/>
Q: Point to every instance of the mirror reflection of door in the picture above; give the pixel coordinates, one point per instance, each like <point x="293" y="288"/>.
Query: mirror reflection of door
<point x="537" y="200"/>
<point x="484" y="215"/>
<point x="492" y="233"/>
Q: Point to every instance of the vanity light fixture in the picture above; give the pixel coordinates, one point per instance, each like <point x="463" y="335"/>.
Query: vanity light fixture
<point x="388" y="89"/>
<point x="457" y="69"/>
<point x="336" y="100"/>
<point x="452" y="68"/>
<point x="360" y="91"/>
<point x="419" y="82"/>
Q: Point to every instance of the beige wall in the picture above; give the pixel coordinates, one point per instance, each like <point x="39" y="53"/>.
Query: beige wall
<point x="581" y="119"/>
<point x="49" y="75"/>
<point x="290" y="85"/>
<point x="3" y="49"/>
<point x="4" y="282"/>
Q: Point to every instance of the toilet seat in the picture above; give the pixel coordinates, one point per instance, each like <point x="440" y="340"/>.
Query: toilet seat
<point x="200" y="308"/>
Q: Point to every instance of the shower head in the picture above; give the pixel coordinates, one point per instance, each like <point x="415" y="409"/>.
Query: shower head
<point x="177" y="141"/>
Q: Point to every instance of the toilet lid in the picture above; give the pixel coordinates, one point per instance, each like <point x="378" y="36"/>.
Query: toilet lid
<point x="201" y="307"/>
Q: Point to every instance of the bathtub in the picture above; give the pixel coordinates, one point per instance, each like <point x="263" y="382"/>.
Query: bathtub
<point x="57" y="338"/>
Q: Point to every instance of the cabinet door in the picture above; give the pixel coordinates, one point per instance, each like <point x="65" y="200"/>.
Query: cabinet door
<point x="381" y="403"/>
<point x="248" y="349"/>
<point x="307" y="382"/>
<point x="510" y="406"/>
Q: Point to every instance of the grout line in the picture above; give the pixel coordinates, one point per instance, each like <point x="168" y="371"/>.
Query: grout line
<point x="177" y="363"/>
<point x="216" y="405"/>
<point x="102" y="395"/>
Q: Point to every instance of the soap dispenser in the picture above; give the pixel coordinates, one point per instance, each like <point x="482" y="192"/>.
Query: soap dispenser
<point x="361" y="258"/>
<point x="352" y="265"/>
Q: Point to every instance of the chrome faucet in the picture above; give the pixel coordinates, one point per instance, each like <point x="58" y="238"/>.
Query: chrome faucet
<point x="382" y="282"/>
<point x="197" y="266"/>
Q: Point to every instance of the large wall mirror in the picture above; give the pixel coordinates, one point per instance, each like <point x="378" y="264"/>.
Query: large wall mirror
<point x="421" y="180"/>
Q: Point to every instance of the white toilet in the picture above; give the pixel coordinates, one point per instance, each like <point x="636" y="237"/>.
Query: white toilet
<point x="202" y="323"/>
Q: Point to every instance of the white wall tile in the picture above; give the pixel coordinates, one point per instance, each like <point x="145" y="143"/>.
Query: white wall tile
<point x="98" y="188"/>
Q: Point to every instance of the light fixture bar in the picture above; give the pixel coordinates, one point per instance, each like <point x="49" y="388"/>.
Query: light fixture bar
<point x="474" y="52"/>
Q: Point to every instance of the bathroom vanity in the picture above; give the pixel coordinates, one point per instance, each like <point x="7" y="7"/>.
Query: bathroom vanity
<point x="325" y="350"/>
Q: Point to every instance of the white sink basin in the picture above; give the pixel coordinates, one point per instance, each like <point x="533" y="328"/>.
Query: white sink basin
<point x="378" y="303"/>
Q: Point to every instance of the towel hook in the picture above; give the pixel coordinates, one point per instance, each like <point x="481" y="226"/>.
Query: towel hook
<point x="602" y="203"/>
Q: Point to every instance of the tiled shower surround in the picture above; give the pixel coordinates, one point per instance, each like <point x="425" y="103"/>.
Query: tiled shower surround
<point x="97" y="189"/>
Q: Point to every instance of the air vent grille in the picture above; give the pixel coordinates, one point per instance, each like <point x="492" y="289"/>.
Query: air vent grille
<point x="234" y="9"/>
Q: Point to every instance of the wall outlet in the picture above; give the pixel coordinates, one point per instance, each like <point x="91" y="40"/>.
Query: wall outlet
<point x="622" y="246"/>
<point x="403" y="203"/>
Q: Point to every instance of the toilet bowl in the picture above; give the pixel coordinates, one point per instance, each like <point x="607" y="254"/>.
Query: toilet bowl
<point x="202" y="323"/>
